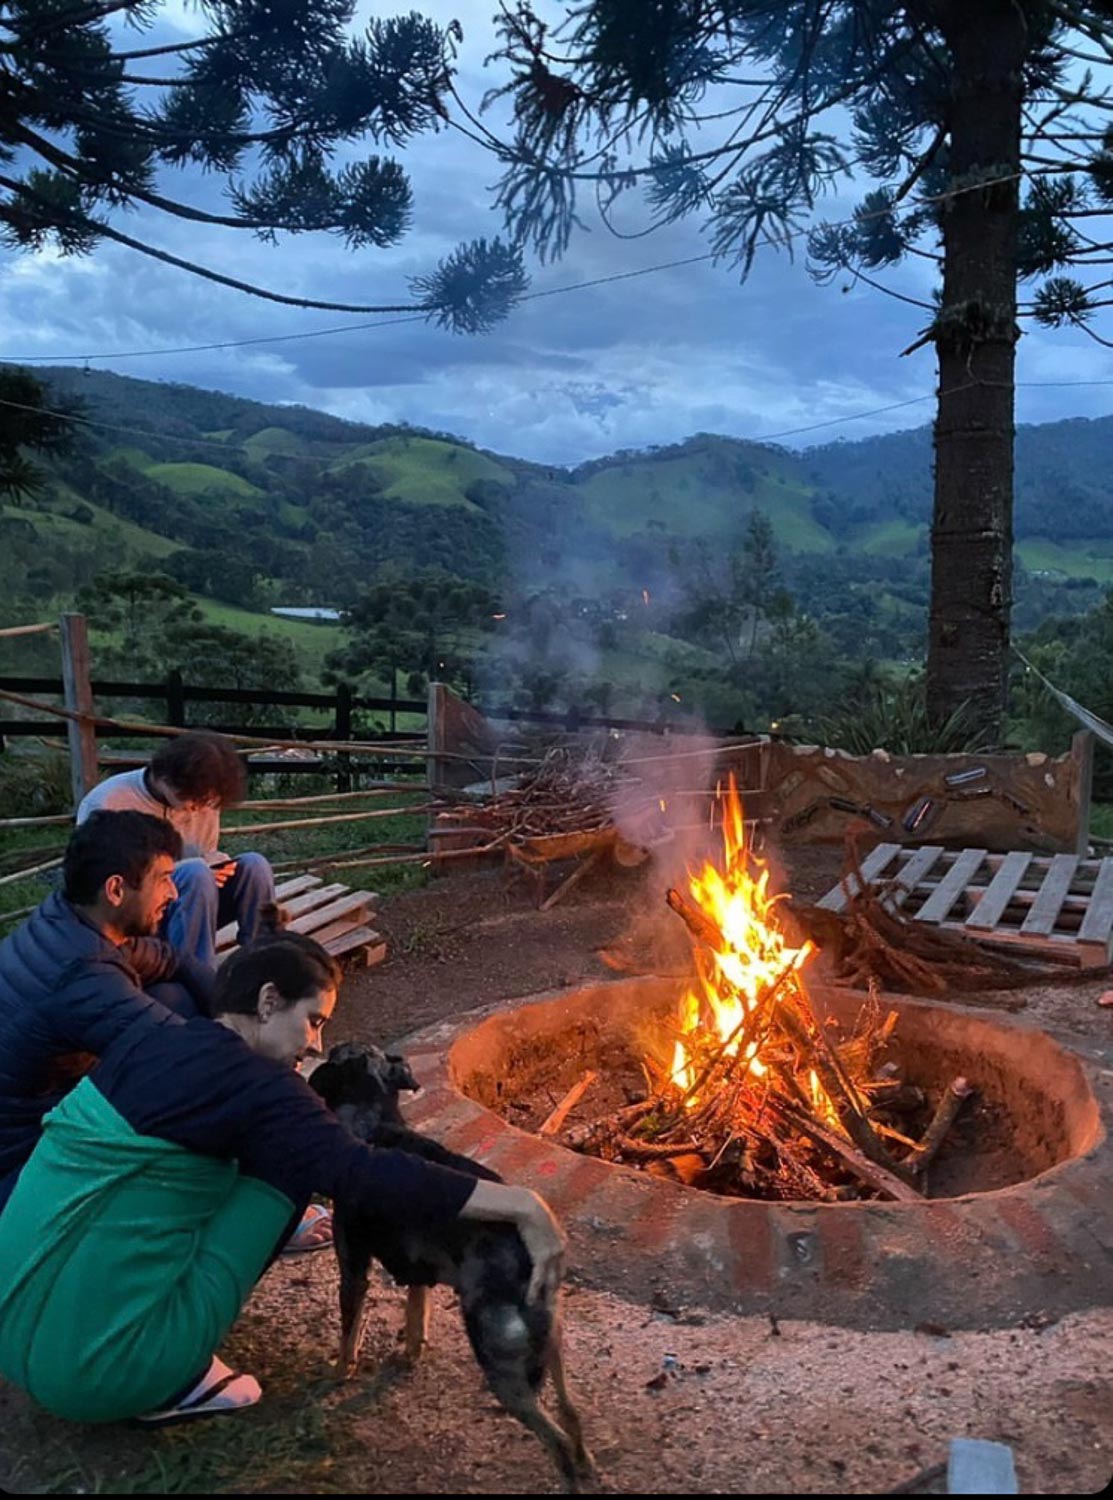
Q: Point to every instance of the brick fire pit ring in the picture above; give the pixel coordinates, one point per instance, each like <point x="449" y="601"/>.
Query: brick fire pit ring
<point x="1040" y="1247"/>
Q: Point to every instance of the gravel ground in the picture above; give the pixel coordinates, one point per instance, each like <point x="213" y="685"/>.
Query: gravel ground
<point x="742" y="1408"/>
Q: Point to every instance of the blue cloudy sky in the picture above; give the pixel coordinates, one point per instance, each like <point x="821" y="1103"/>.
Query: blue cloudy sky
<point x="644" y="360"/>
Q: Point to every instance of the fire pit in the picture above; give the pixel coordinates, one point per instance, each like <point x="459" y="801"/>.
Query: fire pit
<point x="1021" y="1228"/>
<point x="754" y="1141"/>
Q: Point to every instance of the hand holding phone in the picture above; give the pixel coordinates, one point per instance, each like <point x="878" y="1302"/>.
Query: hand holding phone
<point x="222" y="867"/>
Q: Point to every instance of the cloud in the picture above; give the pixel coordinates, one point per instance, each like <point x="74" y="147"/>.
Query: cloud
<point x="632" y="361"/>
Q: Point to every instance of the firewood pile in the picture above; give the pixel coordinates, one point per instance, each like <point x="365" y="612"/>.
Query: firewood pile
<point x="569" y="794"/>
<point x="784" y="1107"/>
<point x="873" y="941"/>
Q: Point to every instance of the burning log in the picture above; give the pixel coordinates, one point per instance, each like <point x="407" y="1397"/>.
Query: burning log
<point x="761" y="1099"/>
<point x="871" y="1172"/>
<point x="838" y="1087"/>
<point x="702" y="928"/>
<point x="651" y="1150"/>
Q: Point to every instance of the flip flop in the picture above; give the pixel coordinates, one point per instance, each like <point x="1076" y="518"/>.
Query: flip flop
<point x="313" y="1233"/>
<point x="219" y="1390"/>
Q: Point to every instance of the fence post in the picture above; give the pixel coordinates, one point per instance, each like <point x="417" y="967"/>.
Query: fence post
<point x="78" y="696"/>
<point x="394" y="700"/>
<point x="1082" y="755"/>
<point x="343" y="731"/>
<point x="175" y="700"/>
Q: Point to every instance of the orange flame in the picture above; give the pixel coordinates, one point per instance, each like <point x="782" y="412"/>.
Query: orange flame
<point x="754" y="954"/>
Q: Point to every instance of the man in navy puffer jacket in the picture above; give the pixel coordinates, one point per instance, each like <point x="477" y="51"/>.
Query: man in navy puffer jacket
<point x="84" y="967"/>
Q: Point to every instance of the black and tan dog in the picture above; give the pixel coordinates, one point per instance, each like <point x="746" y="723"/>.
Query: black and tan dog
<point x="516" y="1342"/>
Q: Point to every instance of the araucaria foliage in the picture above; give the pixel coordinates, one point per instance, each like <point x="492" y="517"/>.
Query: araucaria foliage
<point x="269" y="97"/>
<point x="978" y="137"/>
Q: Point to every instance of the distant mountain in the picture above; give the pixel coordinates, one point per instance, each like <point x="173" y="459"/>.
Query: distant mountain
<point x="1064" y="478"/>
<point x="256" y="505"/>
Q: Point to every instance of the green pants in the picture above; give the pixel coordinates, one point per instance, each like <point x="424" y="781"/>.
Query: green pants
<point x="124" y="1261"/>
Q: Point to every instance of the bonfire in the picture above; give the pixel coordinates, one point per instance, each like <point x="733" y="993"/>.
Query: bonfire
<point x="751" y="1094"/>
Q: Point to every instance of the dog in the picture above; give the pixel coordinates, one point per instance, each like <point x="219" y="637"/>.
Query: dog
<point x="516" y="1343"/>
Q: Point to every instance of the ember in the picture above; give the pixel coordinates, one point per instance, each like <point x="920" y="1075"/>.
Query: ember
<point x="753" y="1097"/>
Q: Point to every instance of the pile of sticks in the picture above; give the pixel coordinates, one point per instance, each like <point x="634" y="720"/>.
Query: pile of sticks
<point x="873" y="942"/>
<point x="819" y="1115"/>
<point x="567" y="793"/>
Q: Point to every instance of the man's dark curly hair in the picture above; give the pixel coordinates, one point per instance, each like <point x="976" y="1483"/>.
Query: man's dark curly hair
<point x="201" y="767"/>
<point x="114" y="843"/>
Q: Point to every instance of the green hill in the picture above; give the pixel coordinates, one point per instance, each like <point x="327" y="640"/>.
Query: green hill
<point x="200" y="479"/>
<point x="425" y="471"/>
<point x="250" y="505"/>
<point x="704" y="488"/>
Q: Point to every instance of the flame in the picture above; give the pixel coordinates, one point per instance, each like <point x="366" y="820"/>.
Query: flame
<point x="753" y="956"/>
<point x="645" y="596"/>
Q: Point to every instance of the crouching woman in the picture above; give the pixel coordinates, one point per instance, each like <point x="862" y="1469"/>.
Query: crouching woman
<point x="164" y="1183"/>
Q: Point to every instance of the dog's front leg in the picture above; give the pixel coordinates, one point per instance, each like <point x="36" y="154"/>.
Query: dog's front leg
<point x="417" y="1322"/>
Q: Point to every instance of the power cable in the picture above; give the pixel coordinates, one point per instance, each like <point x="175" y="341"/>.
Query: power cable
<point x="922" y="201"/>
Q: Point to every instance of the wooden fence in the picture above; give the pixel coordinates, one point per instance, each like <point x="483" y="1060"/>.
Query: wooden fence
<point x="176" y="695"/>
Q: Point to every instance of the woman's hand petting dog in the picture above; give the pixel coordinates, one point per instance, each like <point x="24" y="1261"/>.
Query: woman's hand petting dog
<point x="534" y="1221"/>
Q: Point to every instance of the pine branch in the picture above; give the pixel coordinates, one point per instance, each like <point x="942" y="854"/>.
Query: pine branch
<point x="98" y="227"/>
<point x="81" y="15"/>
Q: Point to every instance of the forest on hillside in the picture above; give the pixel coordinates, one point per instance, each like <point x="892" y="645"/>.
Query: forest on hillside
<point x="742" y="584"/>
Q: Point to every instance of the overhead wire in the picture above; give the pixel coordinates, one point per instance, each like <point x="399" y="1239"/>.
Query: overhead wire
<point x="921" y="201"/>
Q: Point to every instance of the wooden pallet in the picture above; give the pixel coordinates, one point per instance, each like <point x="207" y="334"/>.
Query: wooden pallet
<point x="339" y="919"/>
<point x="1060" y="904"/>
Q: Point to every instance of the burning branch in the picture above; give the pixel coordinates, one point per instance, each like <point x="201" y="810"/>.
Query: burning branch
<point x="568" y="1104"/>
<point x="762" y="1099"/>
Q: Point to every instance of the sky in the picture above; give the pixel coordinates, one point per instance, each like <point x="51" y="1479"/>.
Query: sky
<point x="642" y="360"/>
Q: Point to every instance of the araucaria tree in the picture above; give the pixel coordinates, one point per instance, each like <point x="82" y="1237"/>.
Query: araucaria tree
<point x="269" y="97"/>
<point x="985" y="131"/>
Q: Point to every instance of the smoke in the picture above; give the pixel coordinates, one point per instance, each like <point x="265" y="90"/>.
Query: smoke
<point x="660" y="808"/>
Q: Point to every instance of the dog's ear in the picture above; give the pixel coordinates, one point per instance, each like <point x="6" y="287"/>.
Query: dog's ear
<point x="327" y="1079"/>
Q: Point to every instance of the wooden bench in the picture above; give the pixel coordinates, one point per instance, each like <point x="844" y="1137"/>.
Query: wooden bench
<point x="1059" y="904"/>
<point x="336" y="916"/>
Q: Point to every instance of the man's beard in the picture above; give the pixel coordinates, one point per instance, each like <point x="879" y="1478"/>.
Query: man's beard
<point x="140" y="925"/>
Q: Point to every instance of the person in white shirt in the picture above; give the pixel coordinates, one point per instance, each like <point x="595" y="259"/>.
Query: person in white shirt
<point x="189" y="781"/>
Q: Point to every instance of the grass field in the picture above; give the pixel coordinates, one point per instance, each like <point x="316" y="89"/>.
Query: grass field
<point x="690" y="494"/>
<point x="311" y="640"/>
<point x="424" y="471"/>
<point x="275" y="440"/>
<point x="895" y="538"/>
<point x="197" y="479"/>
<point x="1077" y="560"/>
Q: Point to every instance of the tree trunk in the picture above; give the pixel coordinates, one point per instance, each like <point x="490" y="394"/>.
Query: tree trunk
<point x="975" y="336"/>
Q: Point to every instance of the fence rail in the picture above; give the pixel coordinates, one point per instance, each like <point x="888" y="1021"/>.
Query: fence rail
<point x="174" y="687"/>
<point x="176" y="694"/>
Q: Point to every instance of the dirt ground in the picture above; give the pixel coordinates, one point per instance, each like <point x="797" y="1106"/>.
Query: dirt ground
<point x="674" y="1401"/>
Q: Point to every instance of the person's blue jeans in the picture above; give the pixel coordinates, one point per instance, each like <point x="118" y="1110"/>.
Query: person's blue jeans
<point x="191" y="922"/>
